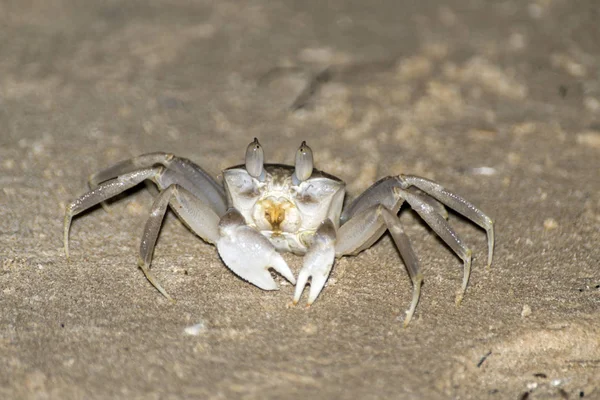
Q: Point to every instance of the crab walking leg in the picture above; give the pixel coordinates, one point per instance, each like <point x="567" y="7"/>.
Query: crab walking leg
<point x="248" y="253"/>
<point x="381" y="192"/>
<point x="151" y="230"/>
<point x="437" y="206"/>
<point x="368" y="226"/>
<point x="317" y="262"/>
<point x="455" y="202"/>
<point x="196" y="214"/>
<point x="124" y="167"/>
<point x="359" y="232"/>
<point x="408" y="255"/>
<point x="201" y="184"/>
<point x="189" y="175"/>
<point x="104" y="192"/>
<point x="444" y="231"/>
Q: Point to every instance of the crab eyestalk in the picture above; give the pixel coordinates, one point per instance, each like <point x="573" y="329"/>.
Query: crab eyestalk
<point x="304" y="164"/>
<point x="255" y="158"/>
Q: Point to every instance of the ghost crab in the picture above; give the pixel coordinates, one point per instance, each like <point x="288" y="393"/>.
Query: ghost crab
<point x="263" y="209"/>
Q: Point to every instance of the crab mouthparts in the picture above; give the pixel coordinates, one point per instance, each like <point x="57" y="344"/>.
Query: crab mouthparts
<point x="279" y="213"/>
<point x="275" y="215"/>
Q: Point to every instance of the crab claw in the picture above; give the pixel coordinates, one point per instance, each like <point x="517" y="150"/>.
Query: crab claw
<point x="248" y="253"/>
<point x="317" y="263"/>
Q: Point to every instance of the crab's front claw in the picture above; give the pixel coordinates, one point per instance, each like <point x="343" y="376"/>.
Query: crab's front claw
<point x="248" y="253"/>
<point x="317" y="263"/>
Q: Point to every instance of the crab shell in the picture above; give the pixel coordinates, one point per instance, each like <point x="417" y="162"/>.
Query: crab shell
<point x="288" y="213"/>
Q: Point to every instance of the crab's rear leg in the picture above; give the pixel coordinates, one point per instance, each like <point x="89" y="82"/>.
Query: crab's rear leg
<point x="104" y="192"/>
<point x="408" y="255"/>
<point x="199" y="215"/>
<point x="444" y="231"/>
<point x="148" y="160"/>
<point x="163" y="178"/>
<point x="364" y="228"/>
<point x="189" y="175"/>
<point x="455" y="202"/>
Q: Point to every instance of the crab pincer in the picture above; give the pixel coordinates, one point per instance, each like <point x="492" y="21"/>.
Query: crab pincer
<point x="248" y="253"/>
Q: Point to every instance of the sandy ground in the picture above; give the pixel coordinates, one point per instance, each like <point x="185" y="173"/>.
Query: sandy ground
<point x="499" y="101"/>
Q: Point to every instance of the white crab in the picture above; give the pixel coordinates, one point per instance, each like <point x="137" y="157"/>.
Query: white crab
<point x="262" y="209"/>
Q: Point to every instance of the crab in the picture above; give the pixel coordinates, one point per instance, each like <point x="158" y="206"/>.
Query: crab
<point x="261" y="210"/>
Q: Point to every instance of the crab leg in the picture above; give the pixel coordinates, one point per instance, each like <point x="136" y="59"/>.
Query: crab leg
<point x="201" y="219"/>
<point x="195" y="212"/>
<point x="317" y="262"/>
<point x="104" y="192"/>
<point x="444" y="231"/>
<point x="163" y="178"/>
<point x="436" y="205"/>
<point x="381" y="192"/>
<point x="190" y="176"/>
<point x="359" y="232"/>
<point x="408" y="255"/>
<point x="124" y="167"/>
<point x="368" y="226"/>
<point x="455" y="202"/>
<point x="151" y="230"/>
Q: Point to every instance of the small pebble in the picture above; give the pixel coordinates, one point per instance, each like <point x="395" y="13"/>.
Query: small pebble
<point x="550" y="224"/>
<point x="195" y="330"/>
<point x="526" y="312"/>
<point x="592" y="104"/>
<point x="589" y="139"/>
<point x="532" y="385"/>
<point x="309" y="329"/>
<point x="485" y="171"/>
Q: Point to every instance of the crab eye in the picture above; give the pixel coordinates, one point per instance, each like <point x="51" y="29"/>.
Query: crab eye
<point x="255" y="158"/>
<point x="304" y="163"/>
